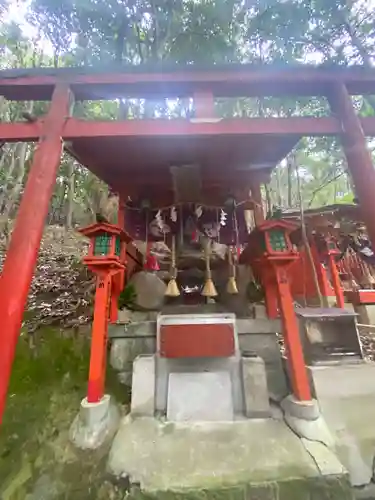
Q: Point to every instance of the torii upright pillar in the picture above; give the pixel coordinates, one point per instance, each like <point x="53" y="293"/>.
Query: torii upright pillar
<point x="24" y="246"/>
<point x="357" y="155"/>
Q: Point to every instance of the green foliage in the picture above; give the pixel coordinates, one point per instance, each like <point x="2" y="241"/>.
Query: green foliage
<point x="255" y="292"/>
<point x="47" y="384"/>
<point x="127" y="297"/>
<point x="348" y="198"/>
<point x="57" y="361"/>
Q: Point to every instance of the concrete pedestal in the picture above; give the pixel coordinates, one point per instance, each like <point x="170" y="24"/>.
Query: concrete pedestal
<point x="143" y="386"/>
<point x="305" y="419"/>
<point x="169" y="460"/>
<point x="95" y="423"/>
<point x="199" y="397"/>
<point x="256" y="398"/>
<point x="305" y="410"/>
<point x="366" y="313"/>
<point x="346" y="396"/>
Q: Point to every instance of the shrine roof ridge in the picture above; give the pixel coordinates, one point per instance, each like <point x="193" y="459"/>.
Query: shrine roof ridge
<point x="351" y="208"/>
<point x="176" y="80"/>
<point x="166" y="67"/>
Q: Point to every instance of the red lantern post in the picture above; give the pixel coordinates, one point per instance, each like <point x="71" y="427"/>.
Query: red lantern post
<point x="270" y="248"/>
<point x="106" y="258"/>
<point x="329" y="249"/>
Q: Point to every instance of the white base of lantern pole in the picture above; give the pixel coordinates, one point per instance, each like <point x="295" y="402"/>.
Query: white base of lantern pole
<point x="95" y="423"/>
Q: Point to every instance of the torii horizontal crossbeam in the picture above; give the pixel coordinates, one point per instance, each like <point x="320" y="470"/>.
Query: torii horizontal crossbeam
<point x="75" y="128"/>
<point x="184" y="80"/>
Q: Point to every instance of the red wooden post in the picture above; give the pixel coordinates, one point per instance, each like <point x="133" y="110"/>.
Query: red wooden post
<point x="298" y="373"/>
<point x="118" y="281"/>
<point x="357" y="154"/>
<point x="271" y="301"/>
<point x="321" y="272"/>
<point x="340" y="302"/>
<point x="270" y="246"/>
<point x="107" y="264"/>
<point x="23" y="250"/>
<point x="95" y="389"/>
<point x="113" y="306"/>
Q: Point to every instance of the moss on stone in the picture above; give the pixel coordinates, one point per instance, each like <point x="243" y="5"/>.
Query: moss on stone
<point x="262" y="491"/>
<point x="319" y="488"/>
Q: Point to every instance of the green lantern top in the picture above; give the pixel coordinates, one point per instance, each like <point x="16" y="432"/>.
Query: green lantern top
<point x="277" y="240"/>
<point x="102" y="244"/>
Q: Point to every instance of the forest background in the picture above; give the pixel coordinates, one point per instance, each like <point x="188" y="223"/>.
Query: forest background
<point x="62" y="33"/>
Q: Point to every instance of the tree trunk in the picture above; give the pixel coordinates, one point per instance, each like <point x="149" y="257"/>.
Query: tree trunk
<point x="22" y="152"/>
<point x="61" y="208"/>
<point x="290" y="183"/>
<point x="9" y="175"/>
<point x="70" y="196"/>
<point x="20" y="155"/>
<point x="3" y="106"/>
<point x="268" y="198"/>
<point x="362" y="51"/>
<point x="278" y="187"/>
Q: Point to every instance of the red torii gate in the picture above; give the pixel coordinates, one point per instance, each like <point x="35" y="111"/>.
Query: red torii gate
<point x="260" y="142"/>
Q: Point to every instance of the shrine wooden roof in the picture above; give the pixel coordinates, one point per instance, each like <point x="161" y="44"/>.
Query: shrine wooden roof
<point x="140" y="166"/>
<point x="181" y="80"/>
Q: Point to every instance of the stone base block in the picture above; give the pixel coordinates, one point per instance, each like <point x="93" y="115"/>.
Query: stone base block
<point x="304" y="418"/>
<point x="257" y="403"/>
<point x="200" y="397"/>
<point x="260" y="311"/>
<point x="175" y="460"/>
<point x="305" y="410"/>
<point x="366" y="313"/>
<point x="346" y="395"/>
<point x="125" y="378"/>
<point x="143" y="386"/>
<point x="95" y="423"/>
<point x="125" y="350"/>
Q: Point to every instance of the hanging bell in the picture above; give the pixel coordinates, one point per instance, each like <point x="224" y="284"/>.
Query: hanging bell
<point x="209" y="289"/>
<point x="231" y="285"/>
<point x="172" y="289"/>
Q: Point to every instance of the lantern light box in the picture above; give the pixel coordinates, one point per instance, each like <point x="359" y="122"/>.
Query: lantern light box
<point x="272" y="239"/>
<point x="107" y="245"/>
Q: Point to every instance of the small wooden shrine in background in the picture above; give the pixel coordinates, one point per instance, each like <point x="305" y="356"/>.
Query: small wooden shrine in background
<point x="342" y="254"/>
